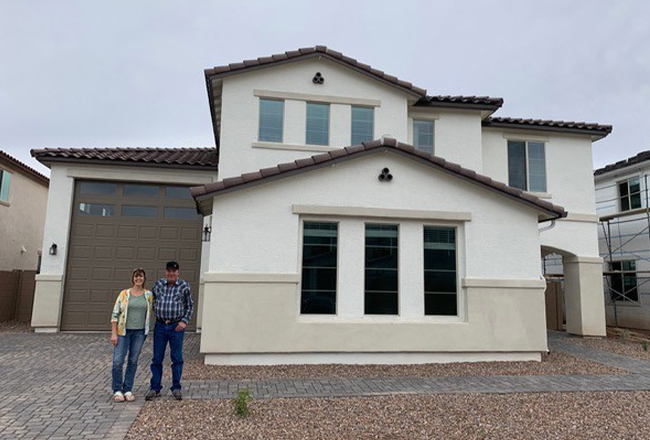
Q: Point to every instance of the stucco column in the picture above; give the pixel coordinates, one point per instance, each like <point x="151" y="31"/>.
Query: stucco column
<point x="584" y="297"/>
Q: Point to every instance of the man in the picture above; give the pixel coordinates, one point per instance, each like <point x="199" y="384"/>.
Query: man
<point x="173" y="308"/>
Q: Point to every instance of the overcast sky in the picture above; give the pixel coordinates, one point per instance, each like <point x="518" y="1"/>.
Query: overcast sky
<point x="130" y="73"/>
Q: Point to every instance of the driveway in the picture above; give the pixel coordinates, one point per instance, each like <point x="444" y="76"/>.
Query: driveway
<point x="57" y="386"/>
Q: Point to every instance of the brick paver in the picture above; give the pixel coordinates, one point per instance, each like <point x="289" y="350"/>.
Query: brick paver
<point x="58" y="386"/>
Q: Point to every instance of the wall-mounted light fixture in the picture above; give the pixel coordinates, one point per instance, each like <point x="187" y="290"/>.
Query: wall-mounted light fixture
<point x="53" y="249"/>
<point x="207" y="231"/>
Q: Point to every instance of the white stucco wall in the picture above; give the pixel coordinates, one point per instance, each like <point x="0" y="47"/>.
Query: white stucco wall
<point x="256" y="253"/>
<point x="240" y="112"/>
<point x="21" y="221"/>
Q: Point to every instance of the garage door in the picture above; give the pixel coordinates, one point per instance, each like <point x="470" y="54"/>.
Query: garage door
<point x="117" y="227"/>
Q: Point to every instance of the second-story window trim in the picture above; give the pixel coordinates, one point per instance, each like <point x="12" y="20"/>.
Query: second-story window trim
<point x="629" y="194"/>
<point x="527" y="165"/>
<point x="271" y="120"/>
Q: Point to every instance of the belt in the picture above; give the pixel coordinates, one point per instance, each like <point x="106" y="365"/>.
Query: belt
<point x="168" y="321"/>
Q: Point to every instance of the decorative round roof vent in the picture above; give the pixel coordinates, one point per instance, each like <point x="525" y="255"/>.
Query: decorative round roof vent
<point x="318" y="78"/>
<point x="385" y="175"/>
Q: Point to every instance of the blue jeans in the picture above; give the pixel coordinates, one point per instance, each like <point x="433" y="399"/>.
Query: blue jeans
<point x="132" y="343"/>
<point x="162" y="335"/>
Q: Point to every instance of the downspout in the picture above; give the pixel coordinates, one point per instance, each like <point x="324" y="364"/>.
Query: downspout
<point x="546" y="228"/>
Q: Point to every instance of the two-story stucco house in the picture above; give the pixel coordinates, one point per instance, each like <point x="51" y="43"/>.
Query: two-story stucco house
<point x="23" y="198"/>
<point x="348" y="217"/>
<point x="621" y="203"/>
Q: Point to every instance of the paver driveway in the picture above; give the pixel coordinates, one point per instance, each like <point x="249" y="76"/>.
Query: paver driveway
<point x="58" y="386"/>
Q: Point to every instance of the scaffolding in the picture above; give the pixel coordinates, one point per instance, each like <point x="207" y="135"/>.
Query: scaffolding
<point x="624" y="237"/>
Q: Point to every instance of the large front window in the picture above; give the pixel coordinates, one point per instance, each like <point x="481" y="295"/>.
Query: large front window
<point x="271" y="120"/>
<point x="527" y="165"/>
<point x="363" y="119"/>
<point x="629" y="193"/>
<point x="440" y="290"/>
<point x="381" y="270"/>
<point x="319" y="263"/>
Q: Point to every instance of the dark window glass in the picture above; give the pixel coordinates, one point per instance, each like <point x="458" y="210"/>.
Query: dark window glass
<point x="362" y="124"/>
<point x="139" y="211"/>
<point x="517" y="164"/>
<point x="630" y="194"/>
<point x="536" y="167"/>
<point x="423" y="135"/>
<point x="140" y="191"/>
<point x="623" y="287"/>
<point x="318" y="124"/>
<point x="319" y="266"/>
<point x="440" y="280"/>
<point x="271" y="120"/>
<point x="181" y="213"/>
<point x="381" y="270"/>
<point x="107" y="189"/>
<point x="96" y="209"/>
<point x="177" y="192"/>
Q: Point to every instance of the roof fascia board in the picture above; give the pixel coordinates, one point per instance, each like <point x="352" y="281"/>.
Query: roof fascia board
<point x="594" y="134"/>
<point x="456" y="105"/>
<point x="306" y="57"/>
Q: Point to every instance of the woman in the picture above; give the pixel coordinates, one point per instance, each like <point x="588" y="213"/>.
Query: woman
<point x="130" y="325"/>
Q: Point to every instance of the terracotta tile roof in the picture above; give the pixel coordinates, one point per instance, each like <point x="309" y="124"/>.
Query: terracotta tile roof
<point x="643" y="156"/>
<point x="549" y="125"/>
<point x="24" y="167"/>
<point x="177" y="157"/>
<point x="314" y="162"/>
<point x="310" y="52"/>
<point x="478" y="102"/>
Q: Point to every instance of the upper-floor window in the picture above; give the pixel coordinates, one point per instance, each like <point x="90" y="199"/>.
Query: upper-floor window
<point x="319" y="263"/>
<point x="629" y="194"/>
<point x="5" y="181"/>
<point x="527" y="165"/>
<point x="271" y="120"/>
<point x="363" y="124"/>
<point x="318" y="124"/>
<point x="623" y="285"/>
<point x="423" y="135"/>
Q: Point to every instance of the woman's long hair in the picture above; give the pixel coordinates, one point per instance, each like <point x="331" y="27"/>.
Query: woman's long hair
<point x="138" y="271"/>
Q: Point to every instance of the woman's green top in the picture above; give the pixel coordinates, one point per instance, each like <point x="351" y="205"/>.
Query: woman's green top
<point x="137" y="314"/>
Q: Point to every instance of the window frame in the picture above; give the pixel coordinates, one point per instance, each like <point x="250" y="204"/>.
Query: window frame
<point x="629" y="194"/>
<point x="372" y="135"/>
<point x="457" y="270"/>
<point x="526" y="142"/>
<point x="623" y="297"/>
<point x="397" y="223"/>
<point x="433" y="133"/>
<point x="300" y="265"/>
<point x="329" y="122"/>
<point x="259" y="121"/>
<point x="4" y="172"/>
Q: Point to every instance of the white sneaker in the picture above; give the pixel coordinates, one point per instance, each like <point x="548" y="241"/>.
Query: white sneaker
<point x="129" y="396"/>
<point x="118" y="396"/>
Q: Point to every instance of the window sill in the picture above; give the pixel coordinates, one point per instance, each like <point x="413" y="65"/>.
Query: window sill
<point x="4" y="203"/>
<point x="380" y="319"/>
<point x="541" y="195"/>
<point x="293" y="147"/>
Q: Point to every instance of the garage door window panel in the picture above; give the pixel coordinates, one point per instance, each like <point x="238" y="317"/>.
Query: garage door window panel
<point x="98" y="188"/>
<point x="95" y="209"/>
<point x="174" y="213"/>
<point x="141" y="191"/>
<point x="177" y="192"/>
<point x="139" y="211"/>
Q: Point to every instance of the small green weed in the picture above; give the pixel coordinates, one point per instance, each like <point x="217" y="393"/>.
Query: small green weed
<point x="241" y="403"/>
<point x="644" y="344"/>
<point x="625" y="334"/>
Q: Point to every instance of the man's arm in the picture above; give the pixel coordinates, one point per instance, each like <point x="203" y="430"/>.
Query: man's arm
<point x="189" y="305"/>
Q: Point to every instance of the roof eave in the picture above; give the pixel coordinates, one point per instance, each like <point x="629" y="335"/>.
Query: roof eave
<point x="595" y="135"/>
<point x="45" y="160"/>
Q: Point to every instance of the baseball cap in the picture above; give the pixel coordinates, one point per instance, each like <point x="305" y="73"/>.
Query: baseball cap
<point x="172" y="265"/>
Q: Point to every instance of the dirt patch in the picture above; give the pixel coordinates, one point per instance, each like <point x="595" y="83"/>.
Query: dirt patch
<point x="15" y="327"/>
<point x="554" y="363"/>
<point x="592" y="416"/>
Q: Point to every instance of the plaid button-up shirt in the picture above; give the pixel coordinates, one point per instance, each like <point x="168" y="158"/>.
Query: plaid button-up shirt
<point x="173" y="302"/>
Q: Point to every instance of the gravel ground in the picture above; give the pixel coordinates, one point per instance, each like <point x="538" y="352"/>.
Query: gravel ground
<point x="629" y="343"/>
<point x="15" y="327"/>
<point x="553" y="364"/>
<point x="592" y="416"/>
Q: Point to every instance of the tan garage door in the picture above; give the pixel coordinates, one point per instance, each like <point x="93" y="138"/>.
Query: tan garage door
<point x="117" y="227"/>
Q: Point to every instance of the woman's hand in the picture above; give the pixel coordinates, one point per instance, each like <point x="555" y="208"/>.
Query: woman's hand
<point x="114" y="339"/>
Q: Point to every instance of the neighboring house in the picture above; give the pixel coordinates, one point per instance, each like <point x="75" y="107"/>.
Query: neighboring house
<point x="622" y="202"/>
<point x="23" y="200"/>
<point x="379" y="252"/>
